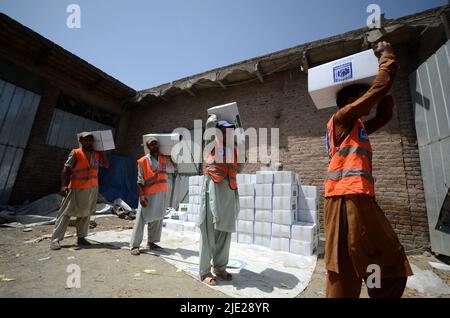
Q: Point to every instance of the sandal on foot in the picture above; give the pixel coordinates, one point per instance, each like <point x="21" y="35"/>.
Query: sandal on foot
<point x="135" y="251"/>
<point x="223" y="274"/>
<point x="209" y="279"/>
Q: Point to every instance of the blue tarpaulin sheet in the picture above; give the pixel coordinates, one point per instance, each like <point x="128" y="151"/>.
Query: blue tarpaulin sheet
<point x="119" y="181"/>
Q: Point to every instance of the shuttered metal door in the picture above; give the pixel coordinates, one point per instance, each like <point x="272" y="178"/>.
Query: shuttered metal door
<point x="17" y="112"/>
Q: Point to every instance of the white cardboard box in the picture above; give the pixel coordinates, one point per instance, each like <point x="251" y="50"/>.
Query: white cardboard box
<point x="246" y="189"/>
<point x="245" y="238"/>
<point x="182" y="216"/>
<point x="285" y="203"/>
<point x="306" y="232"/>
<point x="234" y="237"/>
<point x="302" y="248"/>
<point x="325" y="80"/>
<point x="165" y="141"/>
<point x="195" y="190"/>
<point x="195" y="209"/>
<point x="307" y="203"/>
<point x="185" y="207"/>
<point x="194" y="199"/>
<point x="192" y="217"/>
<point x="246" y="215"/>
<point x="174" y="225"/>
<point x="285" y="190"/>
<point x="103" y="140"/>
<point x="263" y="228"/>
<point x="308" y="191"/>
<point x="262" y="240"/>
<point x="253" y="178"/>
<point x="308" y="216"/>
<point x="286" y="217"/>
<point x="284" y="177"/>
<point x="263" y="190"/>
<point x="263" y="203"/>
<point x="264" y="177"/>
<point x="263" y="215"/>
<point x="228" y="112"/>
<point x="281" y="230"/>
<point x="247" y="202"/>
<point x="245" y="227"/>
<point x="244" y="178"/>
<point x="280" y="244"/>
<point x="195" y="180"/>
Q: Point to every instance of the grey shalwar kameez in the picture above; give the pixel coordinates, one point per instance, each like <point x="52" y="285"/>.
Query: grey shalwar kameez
<point x="153" y="214"/>
<point x="79" y="203"/>
<point x="219" y="209"/>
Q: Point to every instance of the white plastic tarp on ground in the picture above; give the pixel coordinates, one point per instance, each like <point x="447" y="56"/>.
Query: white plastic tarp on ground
<point x="257" y="271"/>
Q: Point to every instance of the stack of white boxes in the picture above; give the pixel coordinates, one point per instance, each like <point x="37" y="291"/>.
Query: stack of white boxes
<point x="195" y="194"/>
<point x="276" y="211"/>
<point x="305" y="232"/>
<point x="263" y="208"/>
<point x="246" y="216"/>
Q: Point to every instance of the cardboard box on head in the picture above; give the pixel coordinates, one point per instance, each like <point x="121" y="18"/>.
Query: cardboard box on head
<point x="325" y="80"/>
<point x="228" y="112"/>
<point x="103" y="140"/>
<point x="165" y="141"/>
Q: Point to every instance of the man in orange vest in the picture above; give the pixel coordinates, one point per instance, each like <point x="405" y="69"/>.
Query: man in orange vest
<point x="360" y="242"/>
<point x="79" y="186"/>
<point x="219" y="205"/>
<point x="152" y="187"/>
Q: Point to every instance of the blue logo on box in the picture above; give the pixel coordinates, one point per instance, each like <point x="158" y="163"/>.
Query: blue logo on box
<point x="342" y="72"/>
<point x="362" y="135"/>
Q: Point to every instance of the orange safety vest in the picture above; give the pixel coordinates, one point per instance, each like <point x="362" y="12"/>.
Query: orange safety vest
<point x="83" y="175"/>
<point x="350" y="165"/>
<point x="218" y="168"/>
<point x="154" y="182"/>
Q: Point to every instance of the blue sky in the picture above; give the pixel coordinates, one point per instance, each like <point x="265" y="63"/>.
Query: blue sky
<point x="147" y="43"/>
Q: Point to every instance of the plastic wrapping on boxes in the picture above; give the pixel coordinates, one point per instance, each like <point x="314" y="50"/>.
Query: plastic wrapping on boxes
<point x="264" y="177"/>
<point x="308" y="216"/>
<point x="263" y="190"/>
<point x="246" y="190"/>
<point x="284" y="177"/>
<point x="262" y="240"/>
<point x="263" y="216"/>
<point x="263" y="203"/>
<point x="302" y="248"/>
<point x="245" y="238"/>
<point x="246" y="215"/>
<point x="263" y="228"/>
<point x="304" y="232"/>
<point x="281" y="230"/>
<point x="285" y="203"/>
<point x="280" y="244"/>
<point x="247" y="202"/>
<point x="285" y="190"/>
<point x="245" y="226"/>
<point x="286" y="217"/>
<point x="307" y="203"/>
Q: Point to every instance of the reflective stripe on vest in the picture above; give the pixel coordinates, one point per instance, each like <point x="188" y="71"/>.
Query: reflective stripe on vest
<point x="154" y="182"/>
<point x="350" y="165"/>
<point x="218" y="170"/>
<point x="83" y="175"/>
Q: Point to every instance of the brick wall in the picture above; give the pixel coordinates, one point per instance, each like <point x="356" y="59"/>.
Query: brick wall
<point x="282" y="101"/>
<point x="41" y="164"/>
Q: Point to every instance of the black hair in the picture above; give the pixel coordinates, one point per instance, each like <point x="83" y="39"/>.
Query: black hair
<point x="345" y="93"/>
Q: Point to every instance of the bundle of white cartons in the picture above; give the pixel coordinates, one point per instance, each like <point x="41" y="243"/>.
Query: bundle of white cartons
<point x="195" y="195"/>
<point x="246" y="216"/>
<point x="263" y="208"/>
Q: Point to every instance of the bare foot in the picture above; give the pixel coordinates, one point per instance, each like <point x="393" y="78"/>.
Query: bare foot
<point x="54" y="245"/>
<point x="135" y="251"/>
<point x="209" y="279"/>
